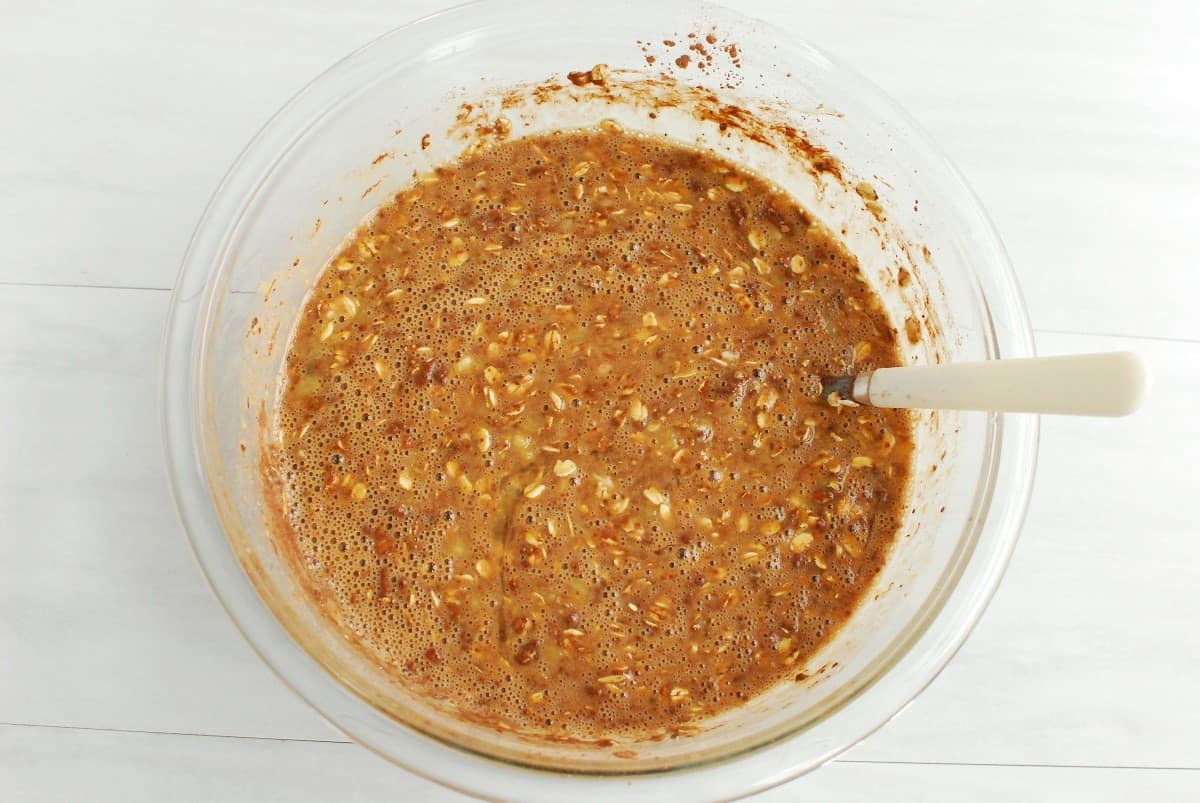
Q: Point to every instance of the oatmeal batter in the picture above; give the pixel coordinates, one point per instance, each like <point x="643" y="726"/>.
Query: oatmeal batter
<point x="552" y="443"/>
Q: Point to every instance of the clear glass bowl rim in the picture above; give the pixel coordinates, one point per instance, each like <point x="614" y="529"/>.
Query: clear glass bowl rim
<point x="1014" y="439"/>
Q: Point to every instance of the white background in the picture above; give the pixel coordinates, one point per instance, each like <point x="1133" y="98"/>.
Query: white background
<point x="120" y="677"/>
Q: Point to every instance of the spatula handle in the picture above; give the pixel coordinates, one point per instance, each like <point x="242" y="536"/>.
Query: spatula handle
<point x="1080" y="384"/>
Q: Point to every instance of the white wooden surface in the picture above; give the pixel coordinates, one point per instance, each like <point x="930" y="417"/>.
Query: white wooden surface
<point x="120" y="678"/>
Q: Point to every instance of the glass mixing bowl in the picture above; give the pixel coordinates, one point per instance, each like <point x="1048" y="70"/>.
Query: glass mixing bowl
<point x="419" y="96"/>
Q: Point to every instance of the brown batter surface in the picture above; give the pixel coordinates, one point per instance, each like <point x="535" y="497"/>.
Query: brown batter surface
<point x="552" y="442"/>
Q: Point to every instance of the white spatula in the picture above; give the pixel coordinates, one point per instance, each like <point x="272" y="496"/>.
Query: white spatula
<point x="1081" y="384"/>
